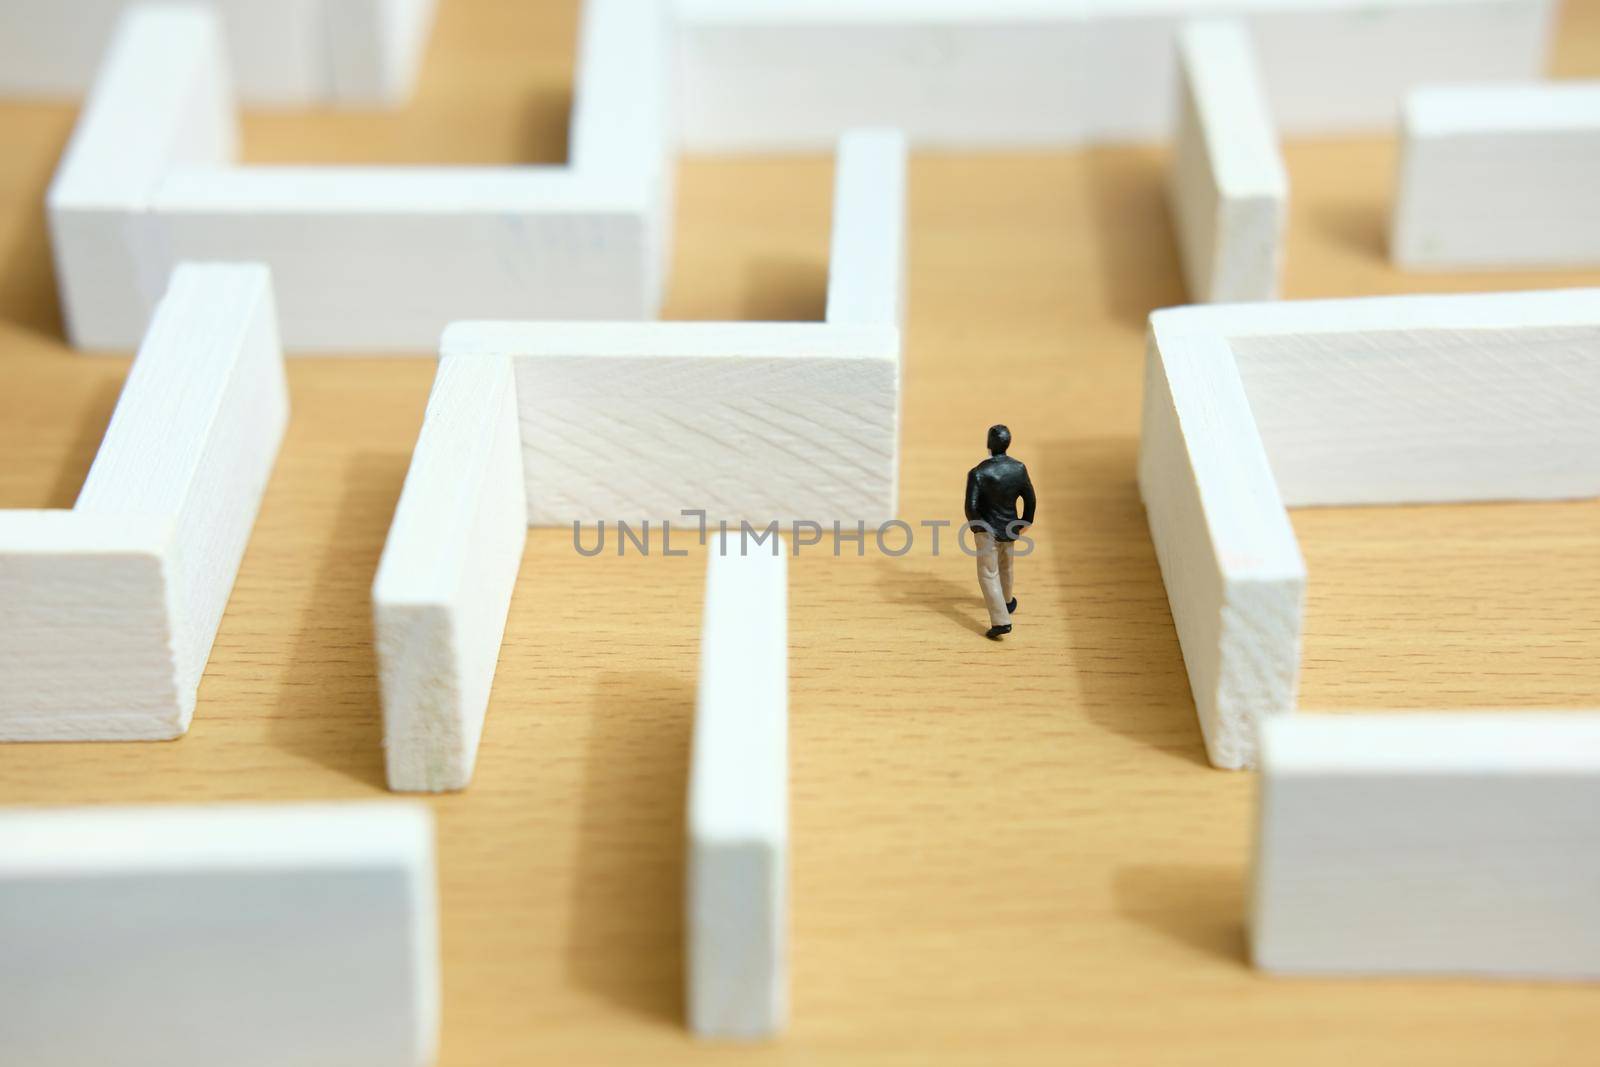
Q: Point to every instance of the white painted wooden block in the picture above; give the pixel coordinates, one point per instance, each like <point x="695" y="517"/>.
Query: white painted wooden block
<point x="867" y="263"/>
<point x="1229" y="188"/>
<point x="364" y="258"/>
<point x="1234" y="575"/>
<point x="746" y="421"/>
<point x="191" y="937"/>
<point x="108" y="611"/>
<point x="623" y="139"/>
<point x="737" y="899"/>
<point x="1419" y="399"/>
<point x="285" y="53"/>
<point x="791" y="75"/>
<point x="444" y="586"/>
<point x="1391" y="400"/>
<point x="639" y="422"/>
<point x="383" y="259"/>
<point x="161" y="101"/>
<point x="1498" y="177"/>
<point x="376" y="47"/>
<point x="1464" y="844"/>
<point x="87" y="629"/>
<point x="1308" y="51"/>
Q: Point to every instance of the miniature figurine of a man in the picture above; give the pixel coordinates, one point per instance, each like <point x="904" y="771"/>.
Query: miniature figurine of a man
<point x="993" y="488"/>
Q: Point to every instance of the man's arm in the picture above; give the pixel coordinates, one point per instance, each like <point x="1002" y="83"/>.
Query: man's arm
<point x="972" y="495"/>
<point x="1028" y="501"/>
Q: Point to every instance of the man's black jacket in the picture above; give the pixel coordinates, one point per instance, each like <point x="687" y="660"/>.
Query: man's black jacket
<point x="993" y="487"/>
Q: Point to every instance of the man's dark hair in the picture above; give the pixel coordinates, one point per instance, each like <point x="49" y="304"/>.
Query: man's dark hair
<point x="999" y="440"/>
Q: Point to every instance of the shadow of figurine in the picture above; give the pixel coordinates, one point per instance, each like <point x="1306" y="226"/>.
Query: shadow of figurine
<point x="933" y="592"/>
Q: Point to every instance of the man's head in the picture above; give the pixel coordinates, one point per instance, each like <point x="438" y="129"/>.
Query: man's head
<point x="999" y="440"/>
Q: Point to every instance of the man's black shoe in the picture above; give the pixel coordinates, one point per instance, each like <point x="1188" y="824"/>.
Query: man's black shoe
<point x="1011" y="608"/>
<point x="997" y="632"/>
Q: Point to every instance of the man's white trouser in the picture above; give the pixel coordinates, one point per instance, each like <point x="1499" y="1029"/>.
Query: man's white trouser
<point x="994" y="576"/>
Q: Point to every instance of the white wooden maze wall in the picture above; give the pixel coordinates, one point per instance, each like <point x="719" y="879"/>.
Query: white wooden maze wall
<point x="284" y="53"/>
<point x="1231" y="429"/>
<point x="590" y="240"/>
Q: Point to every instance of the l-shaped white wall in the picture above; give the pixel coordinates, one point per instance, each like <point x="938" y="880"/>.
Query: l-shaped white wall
<point x="364" y="258"/>
<point x="1253" y="408"/>
<point x="381" y="258"/>
<point x="108" y="611"/>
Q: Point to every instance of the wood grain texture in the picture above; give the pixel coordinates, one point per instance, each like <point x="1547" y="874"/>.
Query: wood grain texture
<point x="754" y="422"/>
<point x="1483" y="396"/>
<point x="1006" y="854"/>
